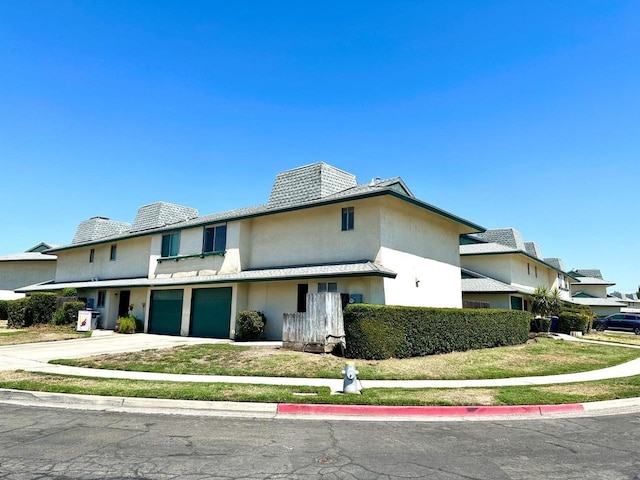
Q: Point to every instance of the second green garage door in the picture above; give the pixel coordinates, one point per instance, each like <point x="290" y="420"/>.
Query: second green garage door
<point x="211" y="312"/>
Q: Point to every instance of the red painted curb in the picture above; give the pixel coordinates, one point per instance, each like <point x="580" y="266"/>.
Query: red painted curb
<point x="303" y="409"/>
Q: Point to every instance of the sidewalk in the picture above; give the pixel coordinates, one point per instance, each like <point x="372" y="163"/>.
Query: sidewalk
<point x="34" y="358"/>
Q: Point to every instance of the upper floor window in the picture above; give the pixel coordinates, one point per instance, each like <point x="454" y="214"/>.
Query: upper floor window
<point x="347" y="218"/>
<point x="92" y="254"/>
<point x="215" y="239"/>
<point x="170" y="244"/>
<point x="536" y="269"/>
<point x="528" y="269"/>
<point x="112" y="255"/>
<point x="327" y="287"/>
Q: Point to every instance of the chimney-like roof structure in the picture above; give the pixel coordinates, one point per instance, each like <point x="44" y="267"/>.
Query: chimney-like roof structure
<point x="160" y="214"/>
<point x="308" y="183"/>
<point x="98" y="227"/>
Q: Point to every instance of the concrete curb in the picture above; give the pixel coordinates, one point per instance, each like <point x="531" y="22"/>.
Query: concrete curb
<point x="306" y="411"/>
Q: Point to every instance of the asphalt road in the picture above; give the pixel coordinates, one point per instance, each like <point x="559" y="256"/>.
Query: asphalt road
<point x="37" y="443"/>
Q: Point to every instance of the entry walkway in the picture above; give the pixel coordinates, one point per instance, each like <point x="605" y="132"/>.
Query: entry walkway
<point x="34" y="358"/>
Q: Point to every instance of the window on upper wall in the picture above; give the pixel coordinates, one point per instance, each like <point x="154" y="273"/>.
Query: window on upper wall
<point x="102" y="296"/>
<point x="112" y="255"/>
<point x="327" y="287"/>
<point x="536" y="269"/>
<point x="170" y="244"/>
<point x="347" y="218"/>
<point x="215" y="239"/>
<point x="92" y="254"/>
<point x="528" y="269"/>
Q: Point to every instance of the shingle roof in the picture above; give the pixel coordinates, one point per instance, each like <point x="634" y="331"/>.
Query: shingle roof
<point x="533" y="249"/>
<point x="362" y="268"/>
<point x="555" y="262"/>
<point x="479" y="248"/>
<point x="587" y="272"/>
<point x="478" y="283"/>
<point x="307" y="183"/>
<point x="592" y="281"/>
<point x="28" y="257"/>
<point x="160" y="214"/>
<point x="281" y="201"/>
<point x="98" y="227"/>
<point x="597" y="302"/>
<point x="504" y="236"/>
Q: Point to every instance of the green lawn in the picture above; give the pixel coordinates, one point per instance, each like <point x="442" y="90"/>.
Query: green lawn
<point x="531" y="395"/>
<point x="543" y="357"/>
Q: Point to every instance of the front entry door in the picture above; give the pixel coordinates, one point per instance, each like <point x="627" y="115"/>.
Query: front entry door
<point x="123" y="305"/>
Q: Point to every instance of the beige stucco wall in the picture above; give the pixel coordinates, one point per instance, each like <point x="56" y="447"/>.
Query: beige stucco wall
<point x="502" y="300"/>
<point x="277" y="298"/>
<point x="599" y="291"/>
<point x="16" y="274"/>
<point x="420" y="281"/>
<point x="132" y="260"/>
<point x="191" y="241"/>
<point x="512" y="270"/>
<point x="314" y="236"/>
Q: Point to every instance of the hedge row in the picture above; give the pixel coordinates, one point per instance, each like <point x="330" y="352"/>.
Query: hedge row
<point x="575" y="318"/>
<point x="377" y="332"/>
<point x="41" y="308"/>
<point x="4" y="305"/>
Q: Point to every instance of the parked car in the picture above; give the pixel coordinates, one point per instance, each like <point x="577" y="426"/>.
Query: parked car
<point x="618" y="321"/>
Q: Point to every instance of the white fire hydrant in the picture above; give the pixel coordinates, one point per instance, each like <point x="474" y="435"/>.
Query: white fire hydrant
<point x="350" y="375"/>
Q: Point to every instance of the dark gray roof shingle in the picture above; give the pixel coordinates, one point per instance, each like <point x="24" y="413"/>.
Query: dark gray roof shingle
<point x="504" y="236"/>
<point x="98" y="227"/>
<point x="160" y="214"/>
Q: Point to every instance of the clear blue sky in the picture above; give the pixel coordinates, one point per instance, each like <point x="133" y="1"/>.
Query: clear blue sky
<point x="521" y="114"/>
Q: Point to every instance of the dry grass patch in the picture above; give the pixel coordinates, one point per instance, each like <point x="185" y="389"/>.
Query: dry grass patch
<point x="544" y="357"/>
<point x="41" y="333"/>
<point x="623" y="338"/>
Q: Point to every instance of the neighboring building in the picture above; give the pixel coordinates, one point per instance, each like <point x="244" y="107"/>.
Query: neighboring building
<point x="631" y="300"/>
<point x="589" y="288"/>
<point x="502" y="270"/>
<point x="320" y="231"/>
<point x="20" y="269"/>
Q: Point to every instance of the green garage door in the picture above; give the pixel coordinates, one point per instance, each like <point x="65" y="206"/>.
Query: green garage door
<point x="211" y="312"/>
<point x="165" y="316"/>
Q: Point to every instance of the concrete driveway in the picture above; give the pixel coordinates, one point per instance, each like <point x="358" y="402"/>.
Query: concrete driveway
<point x="32" y="355"/>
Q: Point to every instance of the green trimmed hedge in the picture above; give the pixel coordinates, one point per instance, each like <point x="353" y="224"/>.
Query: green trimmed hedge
<point x="19" y="313"/>
<point x="4" y="305"/>
<point x="376" y="332"/>
<point x="43" y="306"/>
<point x="68" y="313"/>
<point x="575" y="318"/>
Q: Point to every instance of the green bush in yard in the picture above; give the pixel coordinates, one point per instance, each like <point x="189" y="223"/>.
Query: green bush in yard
<point x="68" y="313"/>
<point x="377" y="332"/>
<point x="126" y="325"/>
<point x="4" y="305"/>
<point x="250" y="325"/>
<point x="540" y="324"/>
<point x="19" y="313"/>
<point x="43" y="306"/>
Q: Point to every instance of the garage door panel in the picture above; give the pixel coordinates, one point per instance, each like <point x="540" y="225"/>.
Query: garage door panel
<point x="211" y="312"/>
<point x="165" y="316"/>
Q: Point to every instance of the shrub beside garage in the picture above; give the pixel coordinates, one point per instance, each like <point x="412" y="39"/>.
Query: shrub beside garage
<point x="376" y="332"/>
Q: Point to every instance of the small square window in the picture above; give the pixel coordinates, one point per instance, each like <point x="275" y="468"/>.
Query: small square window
<point x="112" y="256"/>
<point x="347" y="218"/>
<point x="215" y="239"/>
<point x="327" y="287"/>
<point x="92" y="254"/>
<point x="102" y="295"/>
<point x="170" y="245"/>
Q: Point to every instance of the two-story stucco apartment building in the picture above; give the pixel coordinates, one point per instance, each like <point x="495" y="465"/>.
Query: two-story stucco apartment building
<point x="187" y="274"/>
<point x="502" y="270"/>
<point x="19" y="269"/>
